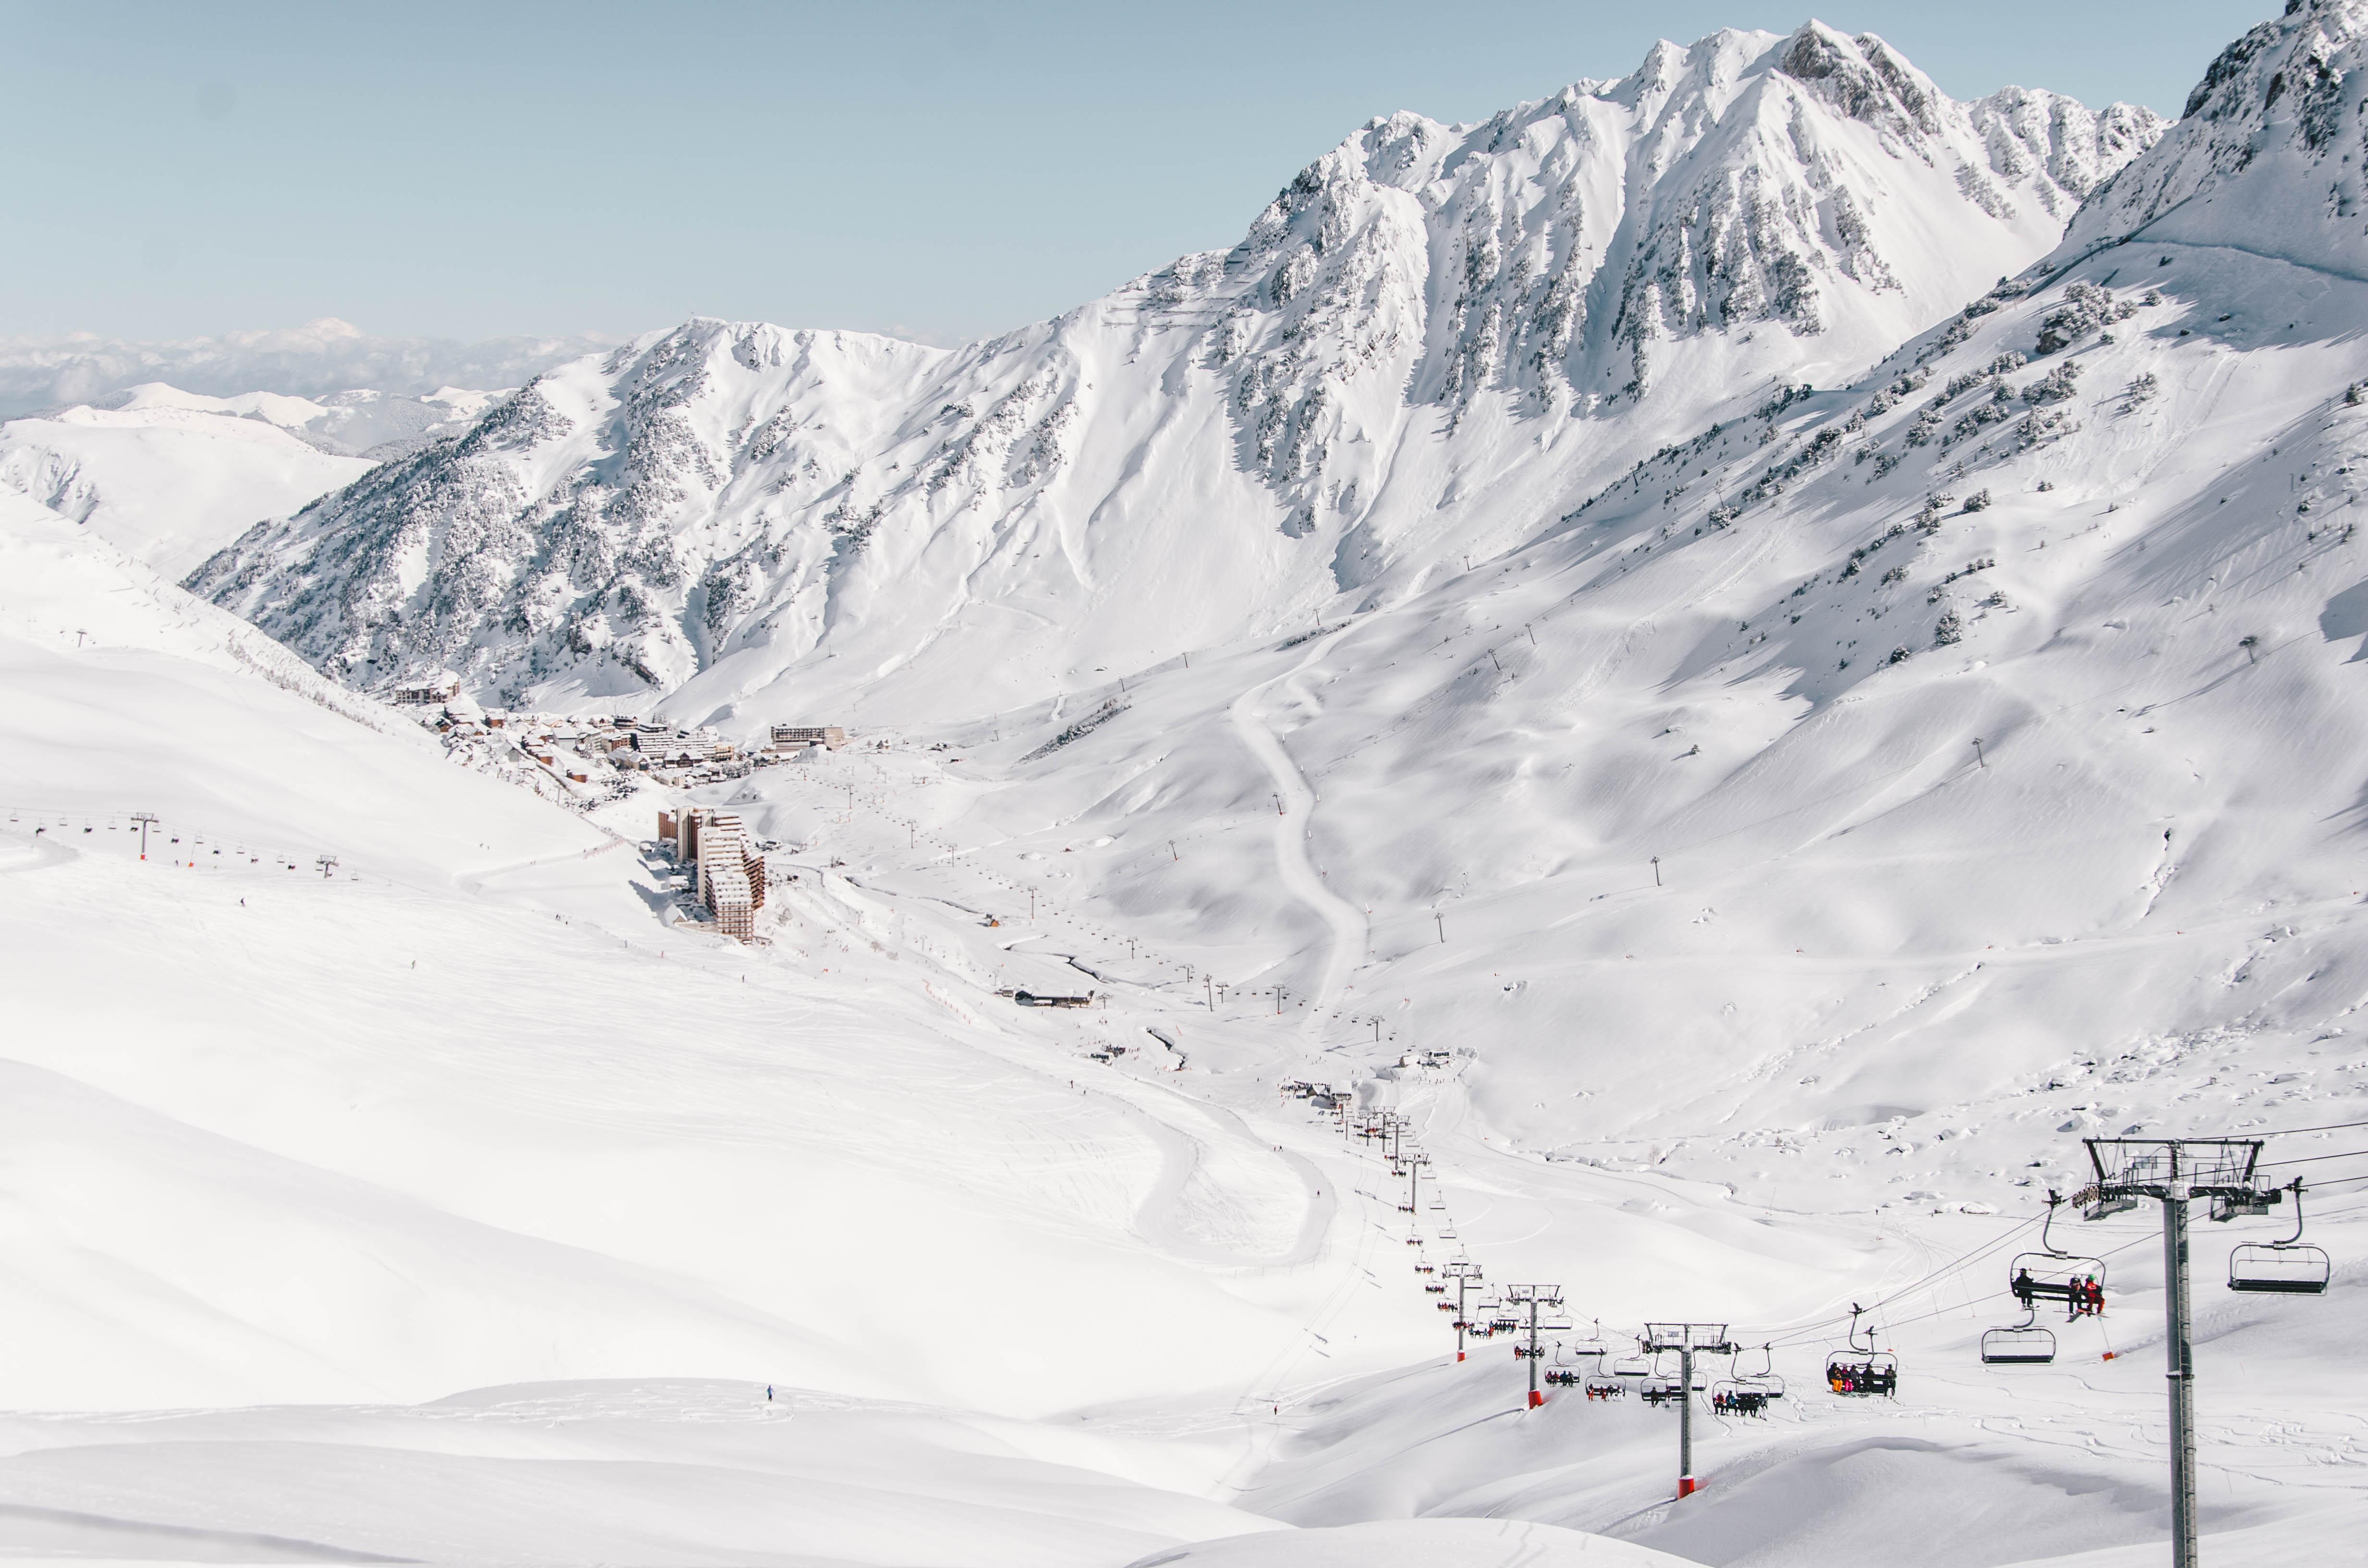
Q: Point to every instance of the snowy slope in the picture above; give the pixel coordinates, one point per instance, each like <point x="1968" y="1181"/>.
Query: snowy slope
<point x="1434" y="341"/>
<point x="466" y="1113"/>
<point x="168" y="478"/>
<point x="172" y="475"/>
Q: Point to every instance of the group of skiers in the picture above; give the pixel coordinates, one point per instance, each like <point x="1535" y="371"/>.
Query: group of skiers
<point x="1862" y="1377"/>
<point x="2083" y="1294"/>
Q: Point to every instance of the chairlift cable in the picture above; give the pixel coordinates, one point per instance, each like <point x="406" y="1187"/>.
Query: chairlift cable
<point x="2287" y="1131"/>
<point x="1798" y="1332"/>
<point x="2308" y="1159"/>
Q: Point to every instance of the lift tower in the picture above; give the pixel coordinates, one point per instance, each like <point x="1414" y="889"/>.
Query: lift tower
<point x="1533" y="1297"/>
<point x="1412" y="1163"/>
<point x="2172" y="1171"/>
<point x="1687" y="1339"/>
<point x="1467" y="1279"/>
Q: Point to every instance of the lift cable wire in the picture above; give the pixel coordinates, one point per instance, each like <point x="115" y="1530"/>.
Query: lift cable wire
<point x="1816" y="1329"/>
<point x="2288" y="1131"/>
<point x="2310" y="1159"/>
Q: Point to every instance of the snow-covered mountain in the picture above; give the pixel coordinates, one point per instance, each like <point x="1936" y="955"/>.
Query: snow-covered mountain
<point x="2270" y="155"/>
<point x="1432" y="344"/>
<point x="172" y="476"/>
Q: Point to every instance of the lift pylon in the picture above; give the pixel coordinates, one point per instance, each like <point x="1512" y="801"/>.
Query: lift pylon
<point x="1466" y="1277"/>
<point x="2173" y="1171"/>
<point x="1532" y="1298"/>
<point x="1688" y="1339"/>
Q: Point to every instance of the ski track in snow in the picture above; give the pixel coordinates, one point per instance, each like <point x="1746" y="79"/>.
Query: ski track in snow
<point x="1293" y="830"/>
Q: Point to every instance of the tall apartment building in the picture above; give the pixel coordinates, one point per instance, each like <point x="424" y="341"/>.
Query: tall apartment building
<point x="731" y="873"/>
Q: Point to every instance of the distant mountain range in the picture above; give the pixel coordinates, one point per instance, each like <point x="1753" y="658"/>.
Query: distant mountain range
<point x="40" y="374"/>
<point x="1431" y="346"/>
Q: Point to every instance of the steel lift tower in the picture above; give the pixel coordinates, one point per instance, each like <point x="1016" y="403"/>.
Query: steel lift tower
<point x="1687" y="1339"/>
<point x="2172" y="1171"/>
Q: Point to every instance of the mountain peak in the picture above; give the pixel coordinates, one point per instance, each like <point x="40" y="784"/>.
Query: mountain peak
<point x="1864" y="78"/>
<point x="2267" y="157"/>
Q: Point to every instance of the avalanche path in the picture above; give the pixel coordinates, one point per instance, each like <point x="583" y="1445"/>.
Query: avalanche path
<point x="1294" y="828"/>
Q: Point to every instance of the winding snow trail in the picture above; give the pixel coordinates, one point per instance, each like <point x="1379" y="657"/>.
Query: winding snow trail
<point x="1292" y="830"/>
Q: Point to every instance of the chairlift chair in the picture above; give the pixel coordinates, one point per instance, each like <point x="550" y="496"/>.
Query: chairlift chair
<point x="1660" y="1391"/>
<point x="1603" y="1386"/>
<point x="1862" y="1371"/>
<point x="1734" y="1396"/>
<point x="2023" y="1344"/>
<point x="1766" y="1380"/>
<point x="2051" y="1274"/>
<point x="2290" y="1267"/>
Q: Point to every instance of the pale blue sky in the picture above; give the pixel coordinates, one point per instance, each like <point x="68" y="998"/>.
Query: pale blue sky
<point x="942" y="171"/>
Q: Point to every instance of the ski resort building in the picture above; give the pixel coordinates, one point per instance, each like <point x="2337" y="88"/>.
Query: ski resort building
<point x="427" y="693"/>
<point x="792" y="737"/>
<point x="729" y="873"/>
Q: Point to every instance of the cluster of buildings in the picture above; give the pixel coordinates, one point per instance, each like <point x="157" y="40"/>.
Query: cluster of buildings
<point x="728" y="868"/>
<point x="593" y="749"/>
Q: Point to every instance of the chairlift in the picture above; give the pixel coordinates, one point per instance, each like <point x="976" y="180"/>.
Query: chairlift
<point x="2051" y="1274"/>
<point x="1632" y="1368"/>
<point x="1602" y="1385"/>
<point x="1734" y="1396"/>
<point x="2023" y="1344"/>
<point x="2290" y="1267"/>
<point x="1862" y="1371"/>
<point x="1766" y="1380"/>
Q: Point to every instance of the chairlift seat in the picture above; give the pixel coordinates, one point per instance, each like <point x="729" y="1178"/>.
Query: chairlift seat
<point x="1858" y="1375"/>
<point x="2077" y="1282"/>
<point x="2021" y="1345"/>
<point x="2279" y="1268"/>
